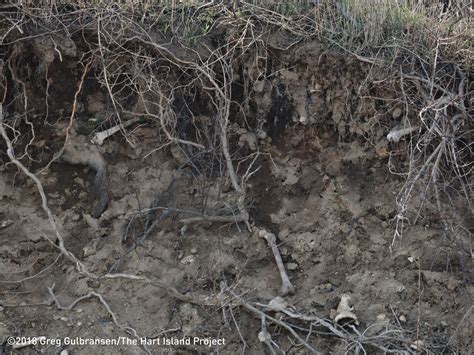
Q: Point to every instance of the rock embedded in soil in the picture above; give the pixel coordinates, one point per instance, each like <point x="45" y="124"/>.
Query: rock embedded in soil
<point x="397" y="113"/>
<point x="292" y="266"/>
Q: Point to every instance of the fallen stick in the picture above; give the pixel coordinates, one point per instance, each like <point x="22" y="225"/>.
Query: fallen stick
<point x="206" y="218"/>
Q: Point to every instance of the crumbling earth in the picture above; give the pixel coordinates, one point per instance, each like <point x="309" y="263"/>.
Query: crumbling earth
<point x="323" y="189"/>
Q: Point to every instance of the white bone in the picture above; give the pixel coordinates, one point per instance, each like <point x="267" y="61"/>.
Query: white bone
<point x="345" y="311"/>
<point x="287" y="288"/>
<point x="99" y="137"/>
<point x="396" y="133"/>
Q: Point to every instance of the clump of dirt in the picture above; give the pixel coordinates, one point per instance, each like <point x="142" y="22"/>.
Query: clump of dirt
<point x="322" y="185"/>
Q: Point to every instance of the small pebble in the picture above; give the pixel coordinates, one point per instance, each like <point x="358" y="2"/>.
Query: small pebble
<point x="54" y="195"/>
<point x="89" y="250"/>
<point x="402" y="319"/>
<point x="78" y="180"/>
<point x="6" y="223"/>
<point x="187" y="260"/>
<point x="194" y="250"/>
<point x="292" y="266"/>
<point x="397" y="113"/>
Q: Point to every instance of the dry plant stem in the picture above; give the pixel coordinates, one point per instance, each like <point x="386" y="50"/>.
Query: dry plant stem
<point x="224" y="305"/>
<point x="265" y="337"/>
<point x="285" y="325"/>
<point x="224" y="122"/>
<point x="44" y="202"/>
<point x="457" y="328"/>
<point x="221" y="219"/>
<point x="168" y="134"/>
<point x="287" y="288"/>
<point x="357" y="339"/>
<point x="409" y="188"/>
<point x="101" y="299"/>
<point x="38" y="274"/>
<point x="25" y="108"/>
<point x="111" y="95"/>
<point x="79" y="266"/>
<point x="223" y="106"/>
<point x="71" y="118"/>
<point x="419" y="167"/>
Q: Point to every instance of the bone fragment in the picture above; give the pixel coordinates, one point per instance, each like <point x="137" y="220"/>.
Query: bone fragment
<point x="99" y="137"/>
<point x="287" y="288"/>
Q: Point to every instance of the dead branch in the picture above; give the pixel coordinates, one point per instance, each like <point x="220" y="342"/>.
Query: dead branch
<point x="11" y="154"/>
<point x="93" y="294"/>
